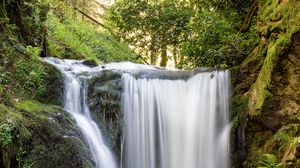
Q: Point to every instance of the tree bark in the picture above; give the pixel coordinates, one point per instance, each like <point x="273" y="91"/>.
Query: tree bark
<point x="164" y="56"/>
<point x="153" y="52"/>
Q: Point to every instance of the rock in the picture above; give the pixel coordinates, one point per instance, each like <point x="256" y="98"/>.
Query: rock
<point x="105" y="106"/>
<point x="90" y="63"/>
<point x="40" y="142"/>
<point x="54" y="86"/>
<point x="297" y="154"/>
<point x="298" y="148"/>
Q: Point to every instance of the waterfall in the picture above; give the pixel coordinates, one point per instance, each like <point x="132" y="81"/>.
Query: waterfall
<point x="176" y="123"/>
<point x="172" y="119"/>
<point x="75" y="76"/>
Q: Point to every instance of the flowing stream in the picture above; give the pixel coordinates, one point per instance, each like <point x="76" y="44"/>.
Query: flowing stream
<point x="177" y="123"/>
<point x="75" y="76"/>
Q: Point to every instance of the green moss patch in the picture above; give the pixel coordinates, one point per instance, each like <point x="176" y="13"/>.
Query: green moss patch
<point x="278" y="21"/>
<point x="35" y="106"/>
<point x="260" y="89"/>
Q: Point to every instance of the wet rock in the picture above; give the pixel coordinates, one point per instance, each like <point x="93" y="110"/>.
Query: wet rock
<point x="105" y="106"/>
<point x="90" y="63"/>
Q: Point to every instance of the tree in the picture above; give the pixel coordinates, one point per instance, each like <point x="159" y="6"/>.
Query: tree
<point x="153" y="28"/>
<point x="193" y="33"/>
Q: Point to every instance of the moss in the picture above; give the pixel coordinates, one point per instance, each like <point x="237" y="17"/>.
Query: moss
<point x="53" y="86"/>
<point x="260" y="89"/>
<point x="270" y="127"/>
<point x="239" y="104"/>
<point x="277" y="14"/>
<point x="40" y="135"/>
<point x="257" y="54"/>
<point x="34" y="106"/>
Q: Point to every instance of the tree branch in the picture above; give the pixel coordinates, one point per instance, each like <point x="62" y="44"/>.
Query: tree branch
<point x="247" y="23"/>
<point x="92" y="19"/>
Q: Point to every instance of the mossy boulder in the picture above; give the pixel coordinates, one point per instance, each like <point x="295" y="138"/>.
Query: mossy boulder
<point x="53" y="83"/>
<point x="40" y="135"/>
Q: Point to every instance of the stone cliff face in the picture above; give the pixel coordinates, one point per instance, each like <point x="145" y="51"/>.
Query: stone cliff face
<point x="266" y="102"/>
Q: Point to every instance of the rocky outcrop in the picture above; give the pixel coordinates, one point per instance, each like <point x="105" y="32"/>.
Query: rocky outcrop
<point x="266" y="102"/>
<point x="105" y="106"/>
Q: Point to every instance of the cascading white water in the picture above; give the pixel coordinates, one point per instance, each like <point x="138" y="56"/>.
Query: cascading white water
<point x="168" y="123"/>
<point x="177" y="123"/>
<point x="75" y="76"/>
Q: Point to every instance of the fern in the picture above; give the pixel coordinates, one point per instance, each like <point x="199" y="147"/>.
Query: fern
<point x="269" y="161"/>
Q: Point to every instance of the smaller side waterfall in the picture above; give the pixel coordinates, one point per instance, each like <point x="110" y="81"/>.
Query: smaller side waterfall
<point x="75" y="77"/>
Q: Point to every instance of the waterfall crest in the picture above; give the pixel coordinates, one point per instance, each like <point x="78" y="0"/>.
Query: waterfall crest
<point x="176" y="123"/>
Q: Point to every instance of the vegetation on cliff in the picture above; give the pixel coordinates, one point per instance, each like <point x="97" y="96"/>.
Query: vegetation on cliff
<point x="33" y="131"/>
<point x="269" y="79"/>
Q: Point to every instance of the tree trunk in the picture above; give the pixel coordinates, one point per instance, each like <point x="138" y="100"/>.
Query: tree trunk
<point x="164" y="56"/>
<point x="153" y="50"/>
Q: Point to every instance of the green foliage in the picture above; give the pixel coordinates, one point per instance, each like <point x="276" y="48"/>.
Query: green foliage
<point x="153" y="28"/>
<point x="62" y="41"/>
<point x="21" y="38"/>
<point x="269" y="161"/>
<point x="5" y="135"/>
<point x="4" y="79"/>
<point x="194" y="34"/>
<point x="8" y="37"/>
<point x="283" y="138"/>
<point x="215" y="43"/>
<point x="31" y="74"/>
<point x="79" y="40"/>
<point x="33" y="52"/>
